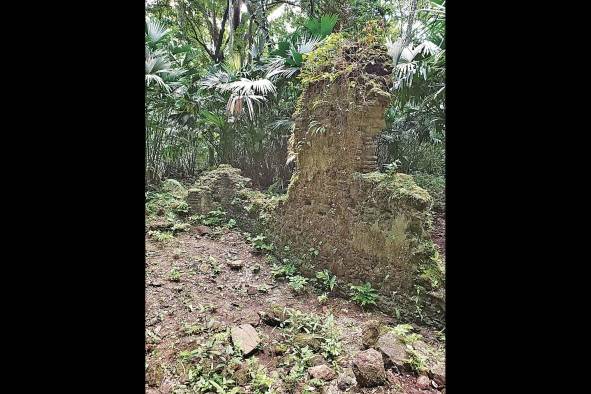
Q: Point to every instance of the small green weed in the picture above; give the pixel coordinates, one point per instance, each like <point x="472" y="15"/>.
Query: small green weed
<point x="259" y="243"/>
<point x="212" y="218"/>
<point x="364" y="294"/>
<point x="298" y="283"/>
<point x="161" y="236"/>
<point x="215" y="266"/>
<point x="192" y="329"/>
<point x="177" y="227"/>
<point x="260" y="381"/>
<point x="406" y="334"/>
<point x="175" y="275"/>
<point x="326" y="279"/>
<point x="285" y="270"/>
<point x="415" y="361"/>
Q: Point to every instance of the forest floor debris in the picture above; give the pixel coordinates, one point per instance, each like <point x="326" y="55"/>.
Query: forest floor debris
<point x="194" y="299"/>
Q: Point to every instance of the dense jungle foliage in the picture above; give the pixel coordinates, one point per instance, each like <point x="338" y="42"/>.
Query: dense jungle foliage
<point x="222" y="80"/>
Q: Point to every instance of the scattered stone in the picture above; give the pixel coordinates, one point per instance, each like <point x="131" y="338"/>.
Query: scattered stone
<point x="202" y="230"/>
<point x="245" y="338"/>
<point x="159" y="225"/>
<point x="323" y="372"/>
<point x="263" y="288"/>
<point x="392" y="379"/>
<point x="176" y="256"/>
<point x="273" y="316"/>
<point x="251" y="318"/>
<point x="423" y="382"/>
<point x="250" y="290"/>
<point x="332" y="388"/>
<point x="220" y="287"/>
<point x="368" y="367"/>
<point x="437" y="373"/>
<point x="166" y="387"/>
<point x="154" y="375"/>
<point x="393" y="349"/>
<point x="235" y="264"/>
<point x="346" y="379"/>
<point x="256" y="269"/>
<point x="155" y="283"/>
<point x="215" y="325"/>
<point x="241" y="375"/>
<point x="303" y="339"/>
<point x="370" y="333"/>
<point x="317" y="359"/>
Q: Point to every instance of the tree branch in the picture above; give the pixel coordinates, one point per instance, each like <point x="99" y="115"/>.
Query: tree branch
<point x="200" y="42"/>
<point x="219" y="43"/>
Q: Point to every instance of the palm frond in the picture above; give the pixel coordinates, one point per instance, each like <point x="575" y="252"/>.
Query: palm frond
<point x="245" y="86"/>
<point x="214" y="80"/>
<point x="155" y="30"/>
<point x="308" y="44"/>
<point x="275" y="68"/>
<point x="283" y="124"/>
<point x="158" y="80"/>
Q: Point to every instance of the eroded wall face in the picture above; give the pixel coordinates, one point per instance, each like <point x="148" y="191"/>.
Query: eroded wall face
<point x="366" y="226"/>
<point x="339" y="213"/>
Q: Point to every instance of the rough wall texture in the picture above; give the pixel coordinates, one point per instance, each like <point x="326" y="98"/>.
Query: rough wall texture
<point x="226" y="189"/>
<point x="364" y="225"/>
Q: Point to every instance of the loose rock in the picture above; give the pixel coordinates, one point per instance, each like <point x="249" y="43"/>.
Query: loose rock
<point x="202" y="230"/>
<point x="317" y="359"/>
<point x="323" y="372"/>
<point x="302" y="340"/>
<point x="393" y="349"/>
<point x="273" y="316"/>
<point x="235" y="264"/>
<point x="370" y="333"/>
<point x="250" y="317"/>
<point x="368" y="367"/>
<point x="245" y="338"/>
<point x="423" y="382"/>
<point x="241" y="375"/>
<point x="345" y="380"/>
<point x="437" y="373"/>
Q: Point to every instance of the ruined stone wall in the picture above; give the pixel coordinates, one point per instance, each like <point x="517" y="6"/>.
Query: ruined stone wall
<point x="367" y="226"/>
<point x="364" y="225"/>
<point x="224" y="188"/>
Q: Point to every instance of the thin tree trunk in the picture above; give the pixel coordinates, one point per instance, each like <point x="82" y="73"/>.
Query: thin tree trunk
<point x="250" y="39"/>
<point x="231" y="19"/>
<point x="404" y="40"/>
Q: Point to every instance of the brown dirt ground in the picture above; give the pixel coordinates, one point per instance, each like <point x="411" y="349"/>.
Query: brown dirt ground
<point x="221" y="301"/>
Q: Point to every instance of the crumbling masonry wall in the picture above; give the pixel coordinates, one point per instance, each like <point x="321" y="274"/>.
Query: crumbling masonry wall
<point x="364" y="225"/>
